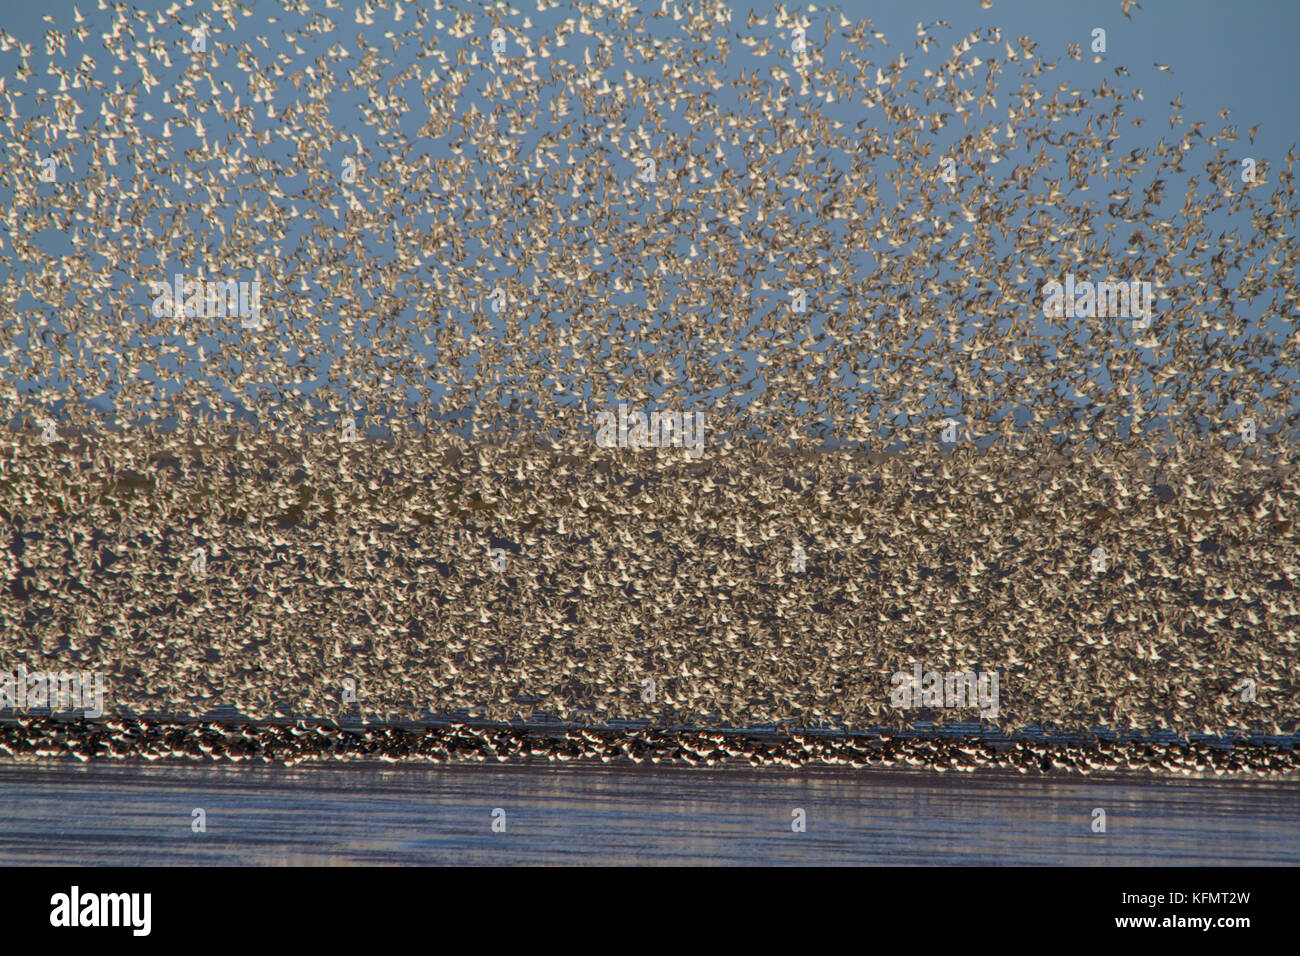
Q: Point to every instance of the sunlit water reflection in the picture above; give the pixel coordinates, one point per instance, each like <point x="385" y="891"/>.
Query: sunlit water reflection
<point x="421" y="814"/>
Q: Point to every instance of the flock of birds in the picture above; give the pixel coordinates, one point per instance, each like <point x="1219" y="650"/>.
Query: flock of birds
<point x="473" y="233"/>
<point x="311" y="741"/>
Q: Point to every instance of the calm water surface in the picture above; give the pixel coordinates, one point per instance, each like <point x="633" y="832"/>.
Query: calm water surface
<point x="420" y="814"/>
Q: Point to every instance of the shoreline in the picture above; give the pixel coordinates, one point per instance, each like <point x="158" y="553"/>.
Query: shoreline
<point x="26" y="740"/>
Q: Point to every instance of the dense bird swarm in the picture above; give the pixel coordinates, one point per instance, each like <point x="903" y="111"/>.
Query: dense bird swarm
<point x="376" y="562"/>
<point x="37" y="738"/>
<point x="471" y="244"/>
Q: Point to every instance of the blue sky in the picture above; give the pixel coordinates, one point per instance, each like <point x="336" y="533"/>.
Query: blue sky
<point x="1234" y="56"/>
